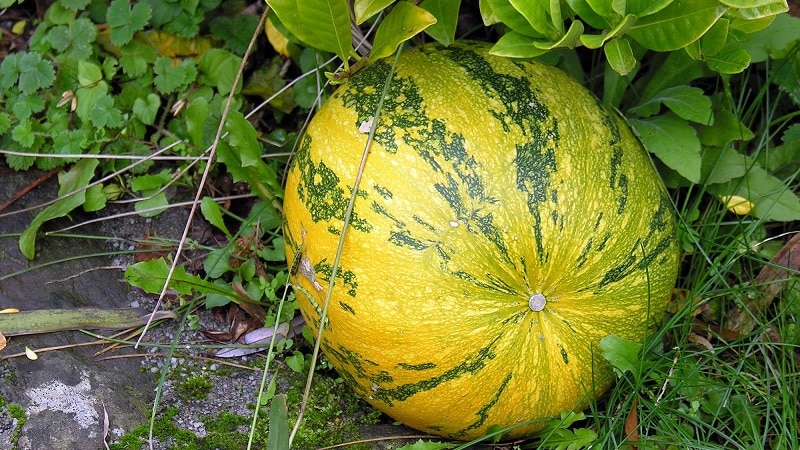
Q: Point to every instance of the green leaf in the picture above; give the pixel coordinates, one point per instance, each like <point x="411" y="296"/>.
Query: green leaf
<point x="23" y="133"/>
<point x="427" y="445"/>
<point x="673" y="141"/>
<point x="620" y="55"/>
<point x="125" y="21"/>
<point x="677" y="25"/>
<point x="136" y="58"/>
<point x="27" y="105"/>
<point x="785" y="75"/>
<point x="245" y="163"/>
<point x="195" y="115"/>
<point x="71" y="182"/>
<point x="218" y="261"/>
<point x="87" y="97"/>
<point x="70" y="142"/>
<point x="95" y="198"/>
<point x="213" y="214"/>
<point x="402" y="23"/>
<point x="152" y="205"/>
<point x="151" y="275"/>
<point x="218" y="68"/>
<point x="323" y="24"/>
<point x="784" y="31"/>
<point x="146" y="109"/>
<point x="104" y="115"/>
<point x="171" y="78"/>
<point x="641" y="8"/>
<point x="772" y="199"/>
<point x="78" y="36"/>
<point x="150" y="182"/>
<point x="597" y="40"/>
<point x="509" y="16"/>
<point x="75" y="5"/>
<point x="588" y="15"/>
<point x="516" y="45"/>
<point x="623" y="354"/>
<point x="5" y="122"/>
<point x="235" y="32"/>
<point x="712" y="42"/>
<point x="89" y="73"/>
<point x="278" y="424"/>
<point x="34" y="74"/>
<point x="731" y="60"/>
<point x="364" y="9"/>
<point x="749" y="3"/>
<point x="446" y="14"/>
<point x="785" y="156"/>
<point x="687" y="102"/>
<point x="721" y="165"/>
<point x="570" y="39"/>
<point x="563" y="439"/>
<point x="726" y="129"/>
<point x="537" y="15"/>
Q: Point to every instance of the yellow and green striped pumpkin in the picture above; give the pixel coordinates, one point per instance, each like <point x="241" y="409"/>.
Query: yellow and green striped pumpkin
<point x="505" y="223"/>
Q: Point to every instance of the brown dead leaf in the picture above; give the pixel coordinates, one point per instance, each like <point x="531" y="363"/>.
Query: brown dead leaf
<point x="771" y="280"/>
<point x="697" y="339"/>
<point x="632" y="425"/>
<point x="3" y="341"/>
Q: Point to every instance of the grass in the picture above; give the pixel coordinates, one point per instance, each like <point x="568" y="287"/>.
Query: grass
<point x="697" y="383"/>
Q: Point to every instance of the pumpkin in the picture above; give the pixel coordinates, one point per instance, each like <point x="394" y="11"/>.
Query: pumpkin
<point x="504" y="224"/>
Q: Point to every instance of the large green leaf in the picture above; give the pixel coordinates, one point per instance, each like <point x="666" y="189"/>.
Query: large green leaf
<point x="772" y="199"/>
<point x="516" y="45"/>
<point x="620" y="55"/>
<point x="241" y="154"/>
<point x="402" y="23"/>
<point x="641" y="8"/>
<point x="278" y="424"/>
<point x="687" y="102"/>
<point x="677" y="25"/>
<point x="72" y="192"/>
<point x="623" y="354"/>
<point x="588" y="15"/>
<point x="446" y="14"/>
<point x="323" y="24"/>
<point x="673" y="141"/>
<point x="512" y="18"/>
<point x="730" y="60"/>
<point x="364" y="9"/>
<point x="784" y="31"/>
<point x="536" y="12"/>
<point x="721" y="165"/>
<point x="597" y="40"/>
<point x="749" y="3"/>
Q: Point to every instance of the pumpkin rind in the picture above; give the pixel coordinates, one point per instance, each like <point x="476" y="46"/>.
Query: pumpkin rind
<point x="505" y="223"/>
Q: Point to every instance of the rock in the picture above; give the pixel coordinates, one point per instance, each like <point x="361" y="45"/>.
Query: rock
<point x="64" y="392"/>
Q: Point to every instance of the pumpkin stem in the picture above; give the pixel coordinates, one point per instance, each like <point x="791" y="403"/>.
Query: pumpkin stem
<point x="537" y="302"/>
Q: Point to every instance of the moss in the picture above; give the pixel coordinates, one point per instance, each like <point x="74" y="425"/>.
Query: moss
<point x="15" y="412"/>
<point x="195" y="387"/>
<point x="333" y="413"/>
<point x="333" y="416"/>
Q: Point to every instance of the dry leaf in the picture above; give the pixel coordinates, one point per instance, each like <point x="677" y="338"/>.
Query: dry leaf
<point x="31" y="354"/>
<point x="632" y="425"/>
<point x="3" y="341"/>
<point x="697" y="339"/>
<point x="105" y="427"/>
<point x="771" y="280"/>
